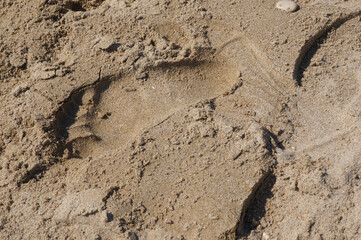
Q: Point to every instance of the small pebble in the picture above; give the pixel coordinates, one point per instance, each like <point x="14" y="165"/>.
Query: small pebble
<point x="265" y="236"/>
<point x="106" y="43"/>
<point x="288" y="6"/>
<point x="168" y="221"/>
<point x="141" y="75"/>
<point x="213" y="216"/>
<point x="17" y="60"/>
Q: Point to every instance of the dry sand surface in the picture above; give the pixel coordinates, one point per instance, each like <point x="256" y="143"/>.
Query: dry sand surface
<point x="180" y="119"/>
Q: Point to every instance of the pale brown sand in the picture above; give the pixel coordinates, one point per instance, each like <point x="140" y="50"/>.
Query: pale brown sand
<point x="144" y="119"/>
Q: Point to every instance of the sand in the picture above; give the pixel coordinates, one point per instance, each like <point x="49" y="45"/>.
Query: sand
<point x="144" y="119"/>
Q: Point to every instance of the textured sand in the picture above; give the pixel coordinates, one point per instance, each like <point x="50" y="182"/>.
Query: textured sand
<point x="144" y="119"/>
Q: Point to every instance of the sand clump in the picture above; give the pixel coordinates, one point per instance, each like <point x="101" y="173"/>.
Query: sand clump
<point x="180" y="120"/>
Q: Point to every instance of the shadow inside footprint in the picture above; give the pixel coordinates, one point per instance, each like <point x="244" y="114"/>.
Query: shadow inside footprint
<point x="106" y="116"/>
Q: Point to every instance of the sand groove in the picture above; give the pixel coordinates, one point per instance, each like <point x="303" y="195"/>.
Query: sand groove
<point x="310" y="47"/>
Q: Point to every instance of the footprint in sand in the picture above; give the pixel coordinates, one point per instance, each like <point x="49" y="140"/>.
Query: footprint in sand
<point x="110" y="114"/>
